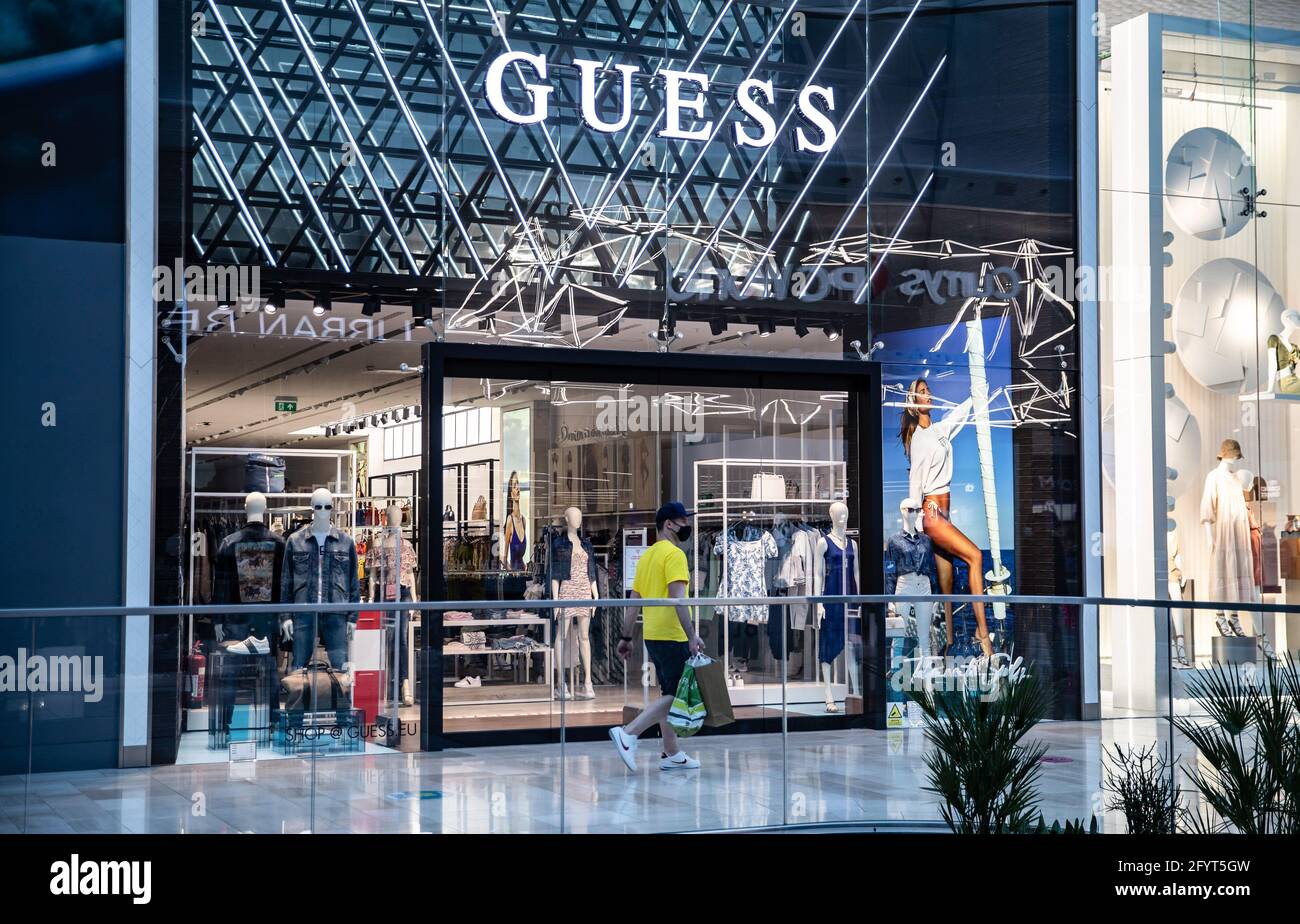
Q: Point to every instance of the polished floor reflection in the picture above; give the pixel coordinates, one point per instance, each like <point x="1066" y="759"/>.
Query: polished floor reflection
<point x="745" y="781"/>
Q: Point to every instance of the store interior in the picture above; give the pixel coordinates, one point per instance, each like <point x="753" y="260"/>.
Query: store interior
<point x="324" y="394"/>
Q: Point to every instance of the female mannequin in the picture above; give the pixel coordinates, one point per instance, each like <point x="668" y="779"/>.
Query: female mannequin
<point x="573" y="577"/>
<point x="835" y="573"/>
<point x="1227" y="532"/>
<point x="390" y="564"/>
<point x="928" y="445"/>
<point x="516" y="528"/>
<point x="1285" y="346"/>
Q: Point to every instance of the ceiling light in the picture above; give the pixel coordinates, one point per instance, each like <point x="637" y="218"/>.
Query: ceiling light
<point x="370" y="307"/>
<point x="275" y="301"/>
<point x="832" y="331"/>
<point x="374" y="420"/>
<point x="718" y="326"/>
<point x="417" y="412"/>
<point x="422" y="308"/>
<point x="800" y="328"/>
<point x="406" y="413"/>
<point x="322" y="304"/>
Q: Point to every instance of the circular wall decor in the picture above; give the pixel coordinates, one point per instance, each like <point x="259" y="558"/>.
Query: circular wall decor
<point x="1182" y="446"/>
<point x="1204" y="175"/>
<point x="1222" y="318"/>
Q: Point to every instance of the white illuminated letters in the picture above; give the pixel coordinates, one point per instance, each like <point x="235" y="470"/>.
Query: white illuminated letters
<point x="538" y="92"/>
<point x="817" y="118"/>
<point x="674" y="105"/>
<point x="684" y="103"/>
<point x="587" y="92"/>
<point x="745" y="100"/>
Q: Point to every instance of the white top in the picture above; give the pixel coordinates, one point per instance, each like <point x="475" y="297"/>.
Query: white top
<point x="931" y="471"/>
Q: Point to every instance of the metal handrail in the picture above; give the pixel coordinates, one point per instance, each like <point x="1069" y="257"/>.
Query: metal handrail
<point x="443" y="605"/>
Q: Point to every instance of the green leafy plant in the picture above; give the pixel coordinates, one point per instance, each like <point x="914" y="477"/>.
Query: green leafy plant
<point x="1071" y="827"/>
<point x="987" y="779"/>
<point x="1251" y="745"/>
<point x="1141" y="781"/>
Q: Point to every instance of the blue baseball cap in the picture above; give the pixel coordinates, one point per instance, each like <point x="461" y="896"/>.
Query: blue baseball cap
<point x="670" y="511"/>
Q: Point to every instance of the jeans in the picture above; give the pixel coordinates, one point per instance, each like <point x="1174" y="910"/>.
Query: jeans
<point x="333" y="629"/>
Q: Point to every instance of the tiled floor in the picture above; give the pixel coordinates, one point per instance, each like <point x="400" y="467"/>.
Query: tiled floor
<point x="745" y="781"/>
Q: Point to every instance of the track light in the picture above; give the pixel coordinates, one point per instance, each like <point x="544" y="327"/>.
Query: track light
<point x="374" y="420"/>
<point x="800" y="328"/>
<point x="322" y="304"/>
<point x="832" y="331"/>
<point x="766" y="328"/>
<point x="274" y="302"/>
<point x="406" y="413"/>
<point x="371" y="306"/>
<point x="718" y="326"/>
<point x="418" y="412"/>
<point x="422" y="308"/>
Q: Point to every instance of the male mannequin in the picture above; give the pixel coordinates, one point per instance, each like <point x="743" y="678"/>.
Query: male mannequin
<point x="247" y="570"/>
<point x="911" y="573"/>
<point x="1227" y="532"/>
<point x="836" y="564"/>
<point x="320" y="566"/>
<point x="573" y="577"/>
<point x="390" y="565"/>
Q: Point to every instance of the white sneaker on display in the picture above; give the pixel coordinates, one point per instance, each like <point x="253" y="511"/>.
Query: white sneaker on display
<point x="625" y="744"/>
<point x="679" y="761"/>
<point x="466" y="683"/>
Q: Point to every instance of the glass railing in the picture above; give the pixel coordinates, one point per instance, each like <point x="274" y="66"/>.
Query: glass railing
<point x="863" y="712"/>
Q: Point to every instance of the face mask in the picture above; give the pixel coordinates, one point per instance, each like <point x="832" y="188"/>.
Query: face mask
<point x="683" y="533"/>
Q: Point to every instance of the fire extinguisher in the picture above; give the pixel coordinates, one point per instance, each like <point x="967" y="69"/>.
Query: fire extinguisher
<point x="196" y="668"/>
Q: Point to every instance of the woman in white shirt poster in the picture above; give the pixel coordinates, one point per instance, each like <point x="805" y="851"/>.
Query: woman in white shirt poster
<point x="928" y="445"/>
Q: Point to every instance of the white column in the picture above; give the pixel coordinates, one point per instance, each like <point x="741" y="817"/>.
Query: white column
<point x="141" y="232"/>
<point x="1140" y="638"/>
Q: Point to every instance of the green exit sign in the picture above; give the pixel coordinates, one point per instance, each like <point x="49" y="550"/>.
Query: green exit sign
<point x="285" y="404"/>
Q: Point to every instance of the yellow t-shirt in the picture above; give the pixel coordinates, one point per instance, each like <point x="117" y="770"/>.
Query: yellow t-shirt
<point x="662" y="564"/>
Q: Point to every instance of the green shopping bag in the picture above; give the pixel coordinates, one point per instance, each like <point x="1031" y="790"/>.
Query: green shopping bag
<point x="687" y="713"/>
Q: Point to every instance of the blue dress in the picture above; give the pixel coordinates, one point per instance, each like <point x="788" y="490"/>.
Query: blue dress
<point x="841" y="578"/>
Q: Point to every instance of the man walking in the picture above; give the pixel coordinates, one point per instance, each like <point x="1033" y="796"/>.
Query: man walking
<point x="670" y="637"/>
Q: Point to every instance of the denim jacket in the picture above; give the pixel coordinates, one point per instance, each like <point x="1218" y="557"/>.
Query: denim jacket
<point x="311" y="575"/>
<point x="562" y="555"/>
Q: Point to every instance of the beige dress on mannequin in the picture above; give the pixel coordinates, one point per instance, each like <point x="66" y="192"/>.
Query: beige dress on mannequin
<point x="1232" y="564"/>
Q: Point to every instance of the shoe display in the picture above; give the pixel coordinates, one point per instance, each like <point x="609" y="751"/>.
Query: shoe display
<point x="1234" y="621"/>
<point x="1180" y="659"/>
<point x="1267" y="647"/>
<point x="249" y="646"/>
<point x="466" y="683"/>
<point x="679" y="761"/>
<point x="625" y="744"/>
<point x="1221" y="623"/>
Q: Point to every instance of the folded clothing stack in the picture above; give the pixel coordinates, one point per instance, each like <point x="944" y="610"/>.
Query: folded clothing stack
<point x="457" y="616"/>
<point x="455" y="647"/>
<point x="516" y="643"/>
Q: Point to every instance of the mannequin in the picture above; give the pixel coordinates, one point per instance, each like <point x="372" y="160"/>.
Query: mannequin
<point x="247" y="570"/>
<point x="1178" y="654"/>
<point x="320" y="566"/>
<point x="1226" y="521"/>
<point x="928" y="446"/>
<point x="836" y="564"/>
<point x="1285" y="346"/>
<point x="912" y="558"/>
<point x="390" y="564"/>
<point x="573" y="577"/>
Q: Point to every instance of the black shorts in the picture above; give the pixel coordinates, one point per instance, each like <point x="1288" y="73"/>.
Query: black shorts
<point x="669" y="659"/>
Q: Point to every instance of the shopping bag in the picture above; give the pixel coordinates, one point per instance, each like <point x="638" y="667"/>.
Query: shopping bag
<point x="711" y="678"/>
<point x="687" y="713"/>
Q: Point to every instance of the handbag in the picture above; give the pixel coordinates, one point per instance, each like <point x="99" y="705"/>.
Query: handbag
<point x="480" y="509"/>
<point x="264" y="473"/>
<point x="472" y="639"/>
<point x="316" y="688"/>
<point x="767" y="486"/>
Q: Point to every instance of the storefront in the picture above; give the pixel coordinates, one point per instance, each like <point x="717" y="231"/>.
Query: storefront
<point x="529" y="295"/>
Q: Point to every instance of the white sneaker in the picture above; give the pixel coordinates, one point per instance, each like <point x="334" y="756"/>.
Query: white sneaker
<point x="466" y="682"/>
<point x="626" y="745"/>
<point x="679" y="761"/>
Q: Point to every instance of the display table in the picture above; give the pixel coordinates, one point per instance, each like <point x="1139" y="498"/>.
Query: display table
<point x="243" y="698"/>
